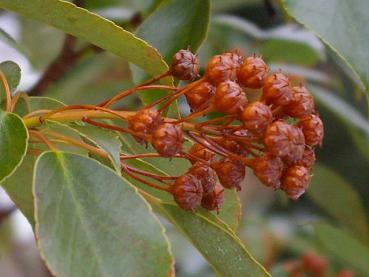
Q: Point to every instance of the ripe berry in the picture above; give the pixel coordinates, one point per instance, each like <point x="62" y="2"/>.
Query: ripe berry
<point x="221" y="68"/>
<point x="277" y="90"/>
<point x="231" y="145"/>
<point x="230" y="173"/>
<point x="206" y="175"/>
<point x="268" y="169"/>
<point x="256" y="117"/>
<point x="200" y="96"/>
<point x="284" y="140"/>
<point x="308" y="158"/>
<point x="144" y="122"/>
<point x="302" y="103"/>
<point x="229" y="98"/>
<point x="313" y="129"/>
<point x="213" y="200"/>
<point x="187" y="192"/>
<point x="295" y="181"/>
<point x="200" y="152"/>
<point x="185" y="65"/>
<point x="314" y="264"/>
<point x="252" y="72"/>
<point x="168" y="139"/>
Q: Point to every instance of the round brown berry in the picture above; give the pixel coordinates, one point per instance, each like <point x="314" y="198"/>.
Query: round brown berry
<point x="144" y="122"/>
<point x="231" y="145"/>
<point x="200" y="97"/>
<point x="313" y="129"/>
<point x="230" y="173"/>
<point x="229" y="98"/>
<point x="252" y="72"/>
<point x="168" y="139"/>
<point x="187" y="192"/>
<point x="205" y="174"/>
<point x="214" y="199"/>
<point x="221" y="68"/>
<point x="284" y="140"/>
<point x="314" y="264"/>
<point x="277" y="90"/>
<point x="268" y="169"/>
<point x="308" y="158"/>
<point x="295" y="181"/>
<point x="302" y="103"/>
<point x="199" y="151"/>
<point x="256" y="117"/>
<point x="185" y="65"/>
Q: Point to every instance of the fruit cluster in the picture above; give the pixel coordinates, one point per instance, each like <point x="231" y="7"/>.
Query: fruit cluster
<point x="275" y="135"/>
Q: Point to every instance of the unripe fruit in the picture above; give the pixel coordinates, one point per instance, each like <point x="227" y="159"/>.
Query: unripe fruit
<point x="206" y="175"/>
<point x="144" y="122"/>
<point x="200" y="152"/>
<point x="230" y="173"/>
<point x="277" y="90"/>
<point x="221" y="68"/>
<point x="256" y="117"/>
<point x="302" y="103"/>
<point x="313" y="129"/>
<point x="295" y="181"/>
<point x="252" y="72"/>
<point x="185" y="65"/>
<point x="213" y="200"/>
<point x="284" y="140"/>
<point x="229" y="98"/>
<point x="187" y="192"/>
<point x="200" y="96"/>
<point x="268" y="169"/>
<point x="168" y="139"/>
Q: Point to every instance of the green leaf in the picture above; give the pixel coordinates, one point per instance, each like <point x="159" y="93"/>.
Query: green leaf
<point x="12" y="74"/>
<point x="175" y="25"/>
<point x="19" y="187"/>
<point x="91" y="27"/>
<point x="339" y="199"/>
<point x="13" y="143"/>
<point x="104" y="139"/>
<point x="28" y="104"/>
<point x="90" y="222"/>
<point x="5" y="37"/>
<point x="343" y="246"/>
<point x="220" y="246"/>
<point x="330" y="19"/>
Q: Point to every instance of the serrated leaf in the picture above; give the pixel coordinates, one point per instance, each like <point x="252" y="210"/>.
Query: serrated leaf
<point x="182" y="24"/>
<point x="13" y="143"/>
<point x="329" y="19"/>
<point x="92" y="28"/>
<point x="339" y="199"/>
<point x="221" y="247"/>
<point x="90" y="222"/>
<point x="344" y="247"/>
<point x="107" y="141"/>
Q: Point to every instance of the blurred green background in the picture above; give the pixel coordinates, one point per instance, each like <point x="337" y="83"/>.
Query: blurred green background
<point x="331" y="219"/>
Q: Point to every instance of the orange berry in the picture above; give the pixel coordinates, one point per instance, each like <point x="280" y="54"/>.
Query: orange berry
<point x="256" y="117"/>
<point x="277" y="90"/>
<point x="308" y="158"/>
<point x="230" y="173"/>
<point x="295" y="181"/>
<point x="314" y="264"/>
<point x="187" y="192"/>
<point x="222" y="68"/>
<point x="205" y="174"/>
<point x="214" y="199"/>
<point x="302" y="103"/>
<point x="346" y="273"/>
<point x="313" y="129"/>
<point x="268" y="169"/>
<point x="200" y="152"/>
<point x="168" y="139"/>
<point x="185" y="65"/>
<point x="144" y="122"/>
<point x="200" y="96"/>
<point x="252" y="72"/>
<point x="229" y="98"/>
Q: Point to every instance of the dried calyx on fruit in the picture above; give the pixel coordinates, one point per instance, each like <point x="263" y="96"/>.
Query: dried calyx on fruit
<point x="275" y="135"/>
